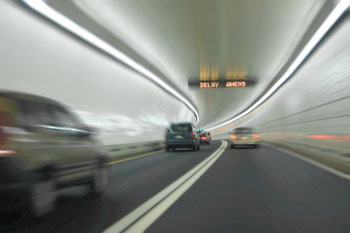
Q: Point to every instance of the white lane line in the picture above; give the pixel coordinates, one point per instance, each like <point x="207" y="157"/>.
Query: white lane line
<point x="312" y="162"/>
<point x="144" y="215"/>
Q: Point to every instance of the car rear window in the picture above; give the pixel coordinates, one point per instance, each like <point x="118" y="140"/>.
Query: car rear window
<point x="181" y="128"/>
<point x="243" y="131"/>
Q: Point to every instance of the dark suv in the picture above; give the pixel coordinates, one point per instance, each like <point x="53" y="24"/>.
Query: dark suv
<point x="44" y="147"/>
<point x="182" y="135"/>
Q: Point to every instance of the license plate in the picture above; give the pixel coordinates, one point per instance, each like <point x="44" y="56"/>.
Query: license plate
<point x="244" y="138"/>
<point x="178" y="136"/>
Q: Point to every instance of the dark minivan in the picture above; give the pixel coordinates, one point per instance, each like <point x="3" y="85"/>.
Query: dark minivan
<point x="181" y="135"/>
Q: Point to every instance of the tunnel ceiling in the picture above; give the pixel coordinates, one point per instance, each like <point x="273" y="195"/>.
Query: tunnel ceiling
<point x="189" y="39"/>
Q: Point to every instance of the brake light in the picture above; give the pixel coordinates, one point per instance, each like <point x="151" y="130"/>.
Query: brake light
<point x="192" y="135"/>
<point x="204" y="138"/>
<point x="256" y="136"/>
<point x="234" y="136"/>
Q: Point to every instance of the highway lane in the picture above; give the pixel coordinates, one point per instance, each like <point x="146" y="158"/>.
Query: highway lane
<point x="260" y="190"/>
<point x="132" y="183"/>
<point x="245" y="190"/>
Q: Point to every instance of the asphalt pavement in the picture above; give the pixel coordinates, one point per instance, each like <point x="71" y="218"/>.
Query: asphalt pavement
<point x="245" y="190"/>
<point x="261" y="190"/>
<point x="131" y="183"/>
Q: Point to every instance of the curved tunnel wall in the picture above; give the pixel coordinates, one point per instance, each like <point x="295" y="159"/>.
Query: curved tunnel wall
<point x="311" y="112"/>
<point x="37" y="58"/>
<point x="316" y="99"/>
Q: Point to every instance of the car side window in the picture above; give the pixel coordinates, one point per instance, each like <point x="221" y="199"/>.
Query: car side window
<point x="35" y="113"/>
<point x="62" y="118"/>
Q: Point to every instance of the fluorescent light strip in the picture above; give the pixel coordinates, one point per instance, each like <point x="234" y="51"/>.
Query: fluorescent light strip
<point x="332" y="18"/>
<point x="43" y="8"/>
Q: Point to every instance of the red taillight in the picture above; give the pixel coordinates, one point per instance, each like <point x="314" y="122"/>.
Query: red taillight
<point x="256" y="136"/>
<point x="192" y="135"/>
<point x="204" y="138"/>
<point x="233" y="136"/>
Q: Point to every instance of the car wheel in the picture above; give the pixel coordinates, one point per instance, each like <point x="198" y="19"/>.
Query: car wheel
<point x="232" y="146"/>
<point x="167" y="148"/>
<point x="198" y="147"/>
<point x="194" y="148"/>
<point x="100" y="180"/>
<point x="42" y="197"/>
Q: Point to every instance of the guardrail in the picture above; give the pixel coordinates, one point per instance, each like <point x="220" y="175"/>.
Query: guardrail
<point x="331" y="150"/>
<point x="123" y="151"/>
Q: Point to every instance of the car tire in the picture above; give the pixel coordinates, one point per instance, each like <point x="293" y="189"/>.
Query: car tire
<point x="194" y="148"/>
<point x="42" y="197"/>
<point x="100" y="180"/>
<point x="167" y="148"/>
<point x="198" y="147"/>
<point x="232" y="146"/>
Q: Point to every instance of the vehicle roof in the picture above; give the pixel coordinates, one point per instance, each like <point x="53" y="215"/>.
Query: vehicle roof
<point x="244" y="128"/>
<point x="181" y="123"/>
<point x="27" y="96"/>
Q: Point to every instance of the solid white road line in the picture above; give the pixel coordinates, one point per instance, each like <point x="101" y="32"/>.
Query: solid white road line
<point x="313" y="162"/>
<point x="143" y="216"/>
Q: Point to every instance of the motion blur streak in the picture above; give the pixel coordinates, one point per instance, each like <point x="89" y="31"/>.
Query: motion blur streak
<point x="326" y="137"/>
<point x="330" y="137"/>
<point x="44" y="9"/>
<point x="6" y="153"/>
<point x="337" y="12"/>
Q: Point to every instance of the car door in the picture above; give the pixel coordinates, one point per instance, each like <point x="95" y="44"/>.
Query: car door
<point x="40" y="145"/>
<point x="76" y="148"/>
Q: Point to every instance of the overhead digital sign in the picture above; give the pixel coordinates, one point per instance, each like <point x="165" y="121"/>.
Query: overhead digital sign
<point x="212" y="84"/>
<point x="233" y="78"/>
<point x="220" y="84"/>
<point x="234" y="84"/>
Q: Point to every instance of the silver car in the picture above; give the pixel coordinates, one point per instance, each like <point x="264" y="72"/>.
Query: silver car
<point x="44" y="147"/>
<point x="245" y="136"/>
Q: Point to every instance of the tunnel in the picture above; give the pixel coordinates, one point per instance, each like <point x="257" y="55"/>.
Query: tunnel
<point x="175" y="116"/>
